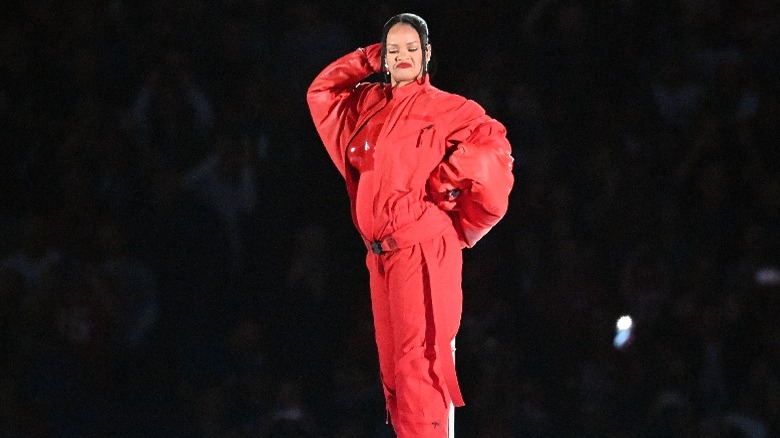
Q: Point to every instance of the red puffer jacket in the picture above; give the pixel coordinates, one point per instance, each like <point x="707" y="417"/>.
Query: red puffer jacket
<point x="438" y="156"/>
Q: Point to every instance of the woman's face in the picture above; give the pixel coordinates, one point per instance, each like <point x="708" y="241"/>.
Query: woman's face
<point x="404" y="55"/>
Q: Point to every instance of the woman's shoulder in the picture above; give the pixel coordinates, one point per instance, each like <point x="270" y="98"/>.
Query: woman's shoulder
<point x="368" y="93"/>
<point x="369" y="85"/>
<point x="449" y="101"/>
<point x="371" y="89"/>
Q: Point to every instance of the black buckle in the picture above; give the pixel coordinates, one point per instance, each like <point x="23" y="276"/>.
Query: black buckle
<point x="377" y="247"/>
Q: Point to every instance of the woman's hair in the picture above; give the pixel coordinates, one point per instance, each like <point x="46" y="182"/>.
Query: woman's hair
<point x="422" y="30"/>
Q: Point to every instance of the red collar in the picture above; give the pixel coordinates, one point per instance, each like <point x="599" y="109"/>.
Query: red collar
<point x="412" y="88"/>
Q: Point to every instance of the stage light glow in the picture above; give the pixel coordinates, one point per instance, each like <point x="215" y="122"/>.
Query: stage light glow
<point x="623" y="332"/>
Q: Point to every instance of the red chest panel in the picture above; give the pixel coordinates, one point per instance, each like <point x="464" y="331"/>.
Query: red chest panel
<point x="360" y="152"/>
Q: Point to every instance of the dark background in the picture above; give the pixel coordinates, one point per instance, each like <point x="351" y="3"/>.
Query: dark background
<point x="177" y="257"/>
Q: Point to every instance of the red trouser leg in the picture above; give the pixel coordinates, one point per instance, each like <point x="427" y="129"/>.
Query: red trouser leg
<point x="408" y="287"/>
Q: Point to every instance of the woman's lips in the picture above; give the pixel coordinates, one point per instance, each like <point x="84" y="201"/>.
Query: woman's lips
<point x="404" y="65"/>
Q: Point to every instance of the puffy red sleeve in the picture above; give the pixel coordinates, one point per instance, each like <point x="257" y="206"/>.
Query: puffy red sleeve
<point x="336" y="97"/>
<point x="474" y="181"/>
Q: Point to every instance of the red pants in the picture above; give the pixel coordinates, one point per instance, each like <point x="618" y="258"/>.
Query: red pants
<point x="416" y="299"/>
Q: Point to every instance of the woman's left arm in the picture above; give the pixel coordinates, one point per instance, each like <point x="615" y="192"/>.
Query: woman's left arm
<point x="475" y="178"/>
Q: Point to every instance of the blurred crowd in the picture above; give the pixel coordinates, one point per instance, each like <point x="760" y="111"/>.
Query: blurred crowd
<point x="177" y="257"/>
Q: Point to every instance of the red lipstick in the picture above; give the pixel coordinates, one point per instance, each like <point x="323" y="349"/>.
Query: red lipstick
<point x="403" y="65"/>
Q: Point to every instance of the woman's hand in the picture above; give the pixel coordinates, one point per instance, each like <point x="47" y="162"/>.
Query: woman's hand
<point x="373" y="55"/>
<point x="442" y="189"/>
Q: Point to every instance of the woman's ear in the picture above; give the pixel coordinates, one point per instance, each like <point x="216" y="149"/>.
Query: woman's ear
<point x="428" y="54"/>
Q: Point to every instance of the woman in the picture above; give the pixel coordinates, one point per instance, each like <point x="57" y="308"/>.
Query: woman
<point x="427" y="172"/>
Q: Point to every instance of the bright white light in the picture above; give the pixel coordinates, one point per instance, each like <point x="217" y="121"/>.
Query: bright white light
<point x="623" y="334"/>
<point x="624" y="323"/>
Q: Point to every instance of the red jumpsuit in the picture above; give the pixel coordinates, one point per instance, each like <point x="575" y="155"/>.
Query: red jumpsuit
<point x="402" y="151"/>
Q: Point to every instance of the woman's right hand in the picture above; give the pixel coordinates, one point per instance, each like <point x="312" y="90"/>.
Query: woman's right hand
<point x="373" y="55"/>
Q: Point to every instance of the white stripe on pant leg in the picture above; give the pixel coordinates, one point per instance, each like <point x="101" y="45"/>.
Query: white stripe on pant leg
<point x="451" y="419"/>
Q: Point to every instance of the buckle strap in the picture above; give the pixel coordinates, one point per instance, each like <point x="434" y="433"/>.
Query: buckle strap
<point x="380" y="247"/>
<point x="433" y="222"/>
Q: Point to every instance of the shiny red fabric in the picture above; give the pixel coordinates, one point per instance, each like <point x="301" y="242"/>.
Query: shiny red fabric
<point x="360" y="151"/>
<point x="400" y="206"/>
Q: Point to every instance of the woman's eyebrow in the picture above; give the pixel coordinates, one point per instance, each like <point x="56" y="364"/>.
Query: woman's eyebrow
<point x="410" y="43"/>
